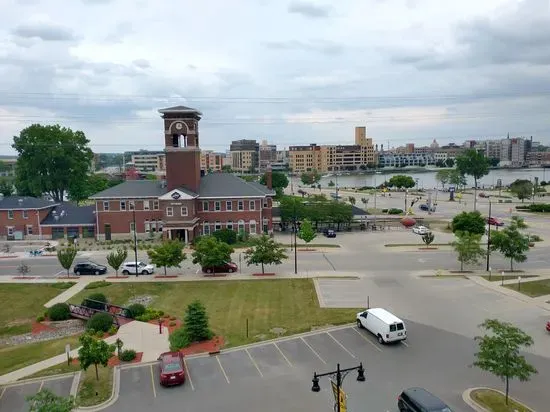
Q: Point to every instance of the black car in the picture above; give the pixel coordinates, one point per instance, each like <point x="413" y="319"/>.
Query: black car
<point x="329" y="233"/>
<point x="420" y="400"/>
<point x="426" y="207"/>
<point x="89" y="268"/>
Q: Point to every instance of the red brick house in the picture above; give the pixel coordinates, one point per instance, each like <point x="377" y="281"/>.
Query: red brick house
<point x="187" y="203"/>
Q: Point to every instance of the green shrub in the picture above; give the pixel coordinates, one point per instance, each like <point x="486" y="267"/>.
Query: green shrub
<point x="150" y="314"/>
<point x="99" y="334"/>
<point x="540" y="207"/>
<point x="127" y="355"/>
<point x="100" y="322"/>
<point x="59" y="311"/>
<point x="40" y="319"/>
<point x="97" y="284"/>
<point x="395" y="211"/>
<point x="113" y="330"/>
<point x="178" y="339"/>
<point x="226" y="235"/>
<point x="99" y="297"/>
<point x="136" y="309"/>
<point x="535" y="238"/>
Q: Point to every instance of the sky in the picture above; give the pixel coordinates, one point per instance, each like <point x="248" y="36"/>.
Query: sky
<point x="289" y="71"/>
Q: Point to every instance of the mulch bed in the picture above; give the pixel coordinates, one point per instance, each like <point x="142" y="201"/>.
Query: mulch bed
<point x="213" y="345"/>
<point x="39" y="327"/>
<point x="215" y="275"/>
<point x="117" y="277"/>
<point x="263" y="274"/>
<point x="165" y="324"/>
<point x="114" y="361"/>
<point x="68" y="277"/>
<point x="165" y="277"/>
<point x="458" y="271"/>
<point x="25" y="277"/>
<point x="8" y="257"/>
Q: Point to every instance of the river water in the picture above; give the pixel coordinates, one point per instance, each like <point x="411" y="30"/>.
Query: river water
<point x="427" y="179"/>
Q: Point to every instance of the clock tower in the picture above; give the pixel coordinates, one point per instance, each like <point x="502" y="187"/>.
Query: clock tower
<point x="181" y="144"/>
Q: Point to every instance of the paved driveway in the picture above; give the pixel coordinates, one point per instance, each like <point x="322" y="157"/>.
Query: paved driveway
<point x="276" y="376"/>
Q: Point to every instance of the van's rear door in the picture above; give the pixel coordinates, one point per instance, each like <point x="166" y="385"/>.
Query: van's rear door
<point x="397" y="331"/>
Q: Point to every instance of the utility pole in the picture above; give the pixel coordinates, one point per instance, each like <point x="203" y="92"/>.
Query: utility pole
<point x="135" y="238"/>
<point x="295" y="240"/>
<point x="337" y="379"/>
<point x="489" y="237"/>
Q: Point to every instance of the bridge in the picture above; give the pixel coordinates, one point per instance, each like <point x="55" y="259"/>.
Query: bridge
<point x="90" y="307"/>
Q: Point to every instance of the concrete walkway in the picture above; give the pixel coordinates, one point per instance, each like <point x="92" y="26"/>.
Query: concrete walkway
<point x="69" y="293"/>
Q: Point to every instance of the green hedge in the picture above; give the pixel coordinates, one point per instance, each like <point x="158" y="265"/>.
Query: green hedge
<point x="537" y="207"/>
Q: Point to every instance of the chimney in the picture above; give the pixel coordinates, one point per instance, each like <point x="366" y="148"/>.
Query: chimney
<point x="269" y="178"/>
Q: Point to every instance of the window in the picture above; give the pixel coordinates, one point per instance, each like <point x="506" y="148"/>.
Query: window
<point x="169" y="211"/>
<point x="147" y="225"/>
<point x="241" y="226"/>
<point x="10" y="230"/>
<point x="155" y="205"/>
<point x="266" y="204"/>
<point x="206" y="228"/>
<point x="252" y="226"/>
<point x="160" y="225"/>
<point x="131" y="205"/>
<point x="29" y="229"/>
<point x="252" y="205"/>
<point x="146" y="205"/>
<point x="266" y="226"/>
<point x="10" y="214"/>
<point x="205" y="206"/>
<point x="218" y="225"/>
<point x="241" y="205"/>
<point x="184" y="211"/>
<point x="25" y="214"/>
<point x="229" y="205"/>
<point x="229" y="224"/>
<point x="106" y="205"/>
<point x="123" y="205"/>
<point x="132" y="227"/>
<point x="217" y="206"/>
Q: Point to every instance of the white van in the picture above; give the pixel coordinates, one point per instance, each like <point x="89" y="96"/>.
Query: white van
<point x="382" y="324"/>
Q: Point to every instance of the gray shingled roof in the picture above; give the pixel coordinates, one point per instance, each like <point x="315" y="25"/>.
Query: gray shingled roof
<point x="229" y="185"/>
<point x="180" y="109"/>
<point x="70" y="214"/>
<point x="133" y="189"/>
<point x="24" y="202"/>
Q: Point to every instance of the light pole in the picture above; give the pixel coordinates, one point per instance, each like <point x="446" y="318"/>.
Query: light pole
<point x="135" y="238"/>
<point x="295" y="241"/>
<point x="489" y="241"/>
<point x="337" y="379"/>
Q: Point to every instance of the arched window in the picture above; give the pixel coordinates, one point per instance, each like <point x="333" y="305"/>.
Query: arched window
<point x="229" y="224"/>
<point x="252" y="227"/>
<point x="241" y="225"/>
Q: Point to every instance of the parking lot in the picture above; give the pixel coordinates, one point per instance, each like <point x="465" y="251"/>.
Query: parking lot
<point x="12" y="397"/>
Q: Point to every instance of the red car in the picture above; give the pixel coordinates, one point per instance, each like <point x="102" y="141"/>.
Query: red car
<point x="494" y="222"/>
<point x="548" y="326"/>
<point x="172" y="369"/>
<point x="225" y="268"/>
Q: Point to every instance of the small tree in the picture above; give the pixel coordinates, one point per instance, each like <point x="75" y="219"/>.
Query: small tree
<point x="428" y="238"/>
<point x="265" y="251"/>
<point x="511" y="243"/>
<point x="468" y="247"/>
<point x="331" y="184"/>
<point x="168" y="254"/>
<point x="443" y="176"/>
<point x="196" y="323"/>
<point x="66" y="258"/>
<point x="471" y="222"/>
<point x="351" y="199"/>
<point x="6" y="248"/>
<point x="117" y="258"/>
<point x="23" y="269"/>
<point x="94" y="351"/>
<point x="499" y="352"/>
<point x="47" y="401"/>
<point x="365" y="201"/>
<point x="522" y="188"/>
<point x="306" y="232"/>
<point x="474" y="163"/>
<point x="210" y="252"/>
<point x="519" y="222"/>
<point x="401" y="181"/>
<point x="310" y="178"/>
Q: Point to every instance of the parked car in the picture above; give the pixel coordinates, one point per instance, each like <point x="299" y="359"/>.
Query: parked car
<point x="384" y="325"/>
<point x="494" y="221"/>
<point x="329" y="233"/>
<point x="225" y="268"/>
<point x="426" y="208"/>
<point x="419" y="399"/>
<point x="482" y="194"/>
<point x="129" y="268"/>
<point x="548" y="326"/>
<point x="421" y="230"/>
<point x="89" y="268"/>
<point x="171" y="368"/>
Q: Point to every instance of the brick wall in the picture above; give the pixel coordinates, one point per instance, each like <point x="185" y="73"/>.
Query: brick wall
<point x="20" y="223"/>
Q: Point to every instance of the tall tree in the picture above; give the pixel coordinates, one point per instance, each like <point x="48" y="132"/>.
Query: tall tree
<point x="468" y="247"/>
<point x="499" y="352"/>
<point x="6" y="187"/>
<point x="66" y="258"/>
<point x="265" y="251"/>
<point x="351" y="199"/>
<point x="522" y="188"/>
<point x="47" y="401"/>
<point x="210" y="252"/>
<point x="51" y="159"/>
<point x="443" y="176"/>
<point x="475" y="164"/>
<point x="196" y="322"/>
<point x="168" y="254"/>
<point x="401" y="181"/>
<point x="117" y="258"/>
<point x="511" y="243"/>
<point x="471" y="222"/>
<point x="279" y="181"/>
<point x="457" y="178"/>
<point x="94" y="351"/>
<point x="310" y="178"/>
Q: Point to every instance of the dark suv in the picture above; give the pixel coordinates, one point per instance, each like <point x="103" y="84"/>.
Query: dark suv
<point x="420" y="400"/>
<point x="89" y="268"/>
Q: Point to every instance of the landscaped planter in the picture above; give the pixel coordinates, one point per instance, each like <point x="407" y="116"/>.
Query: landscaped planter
<point x="117" y="277"/>
<point x="25" y="277"/>
<point x="68" y="277"/>
<point x="263" y="274"/>
<point x="212" y="346"/>
<point x="165" y="277"/>
<point x="215" y="275"/>
<point x="114" y="361"/>
<point x="428" y="248"/>
<point x="8" y="256"/>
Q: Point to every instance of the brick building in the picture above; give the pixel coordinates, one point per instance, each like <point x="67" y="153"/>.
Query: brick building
<point x="188" y="202"/>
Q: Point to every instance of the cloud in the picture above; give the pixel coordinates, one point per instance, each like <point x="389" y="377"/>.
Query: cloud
<point x="142" y="63"/>
<point x="44" y="31"/>
<point x="318" y="46"/>
<point x="309" y="9"/>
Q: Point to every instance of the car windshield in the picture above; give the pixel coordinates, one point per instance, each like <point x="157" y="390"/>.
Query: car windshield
<point x="172" y="367"/>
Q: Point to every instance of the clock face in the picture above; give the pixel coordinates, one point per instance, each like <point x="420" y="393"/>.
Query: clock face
<point x="179" y="126"/>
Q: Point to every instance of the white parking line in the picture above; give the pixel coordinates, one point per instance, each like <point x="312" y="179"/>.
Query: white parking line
<point x="404" y="343"/>
<point x="283" y="355"/>
<point x="3" y="391"/>
<point x="189" y="375"/>
<point x="153" y="382"/>
<point x="41" y="386"/>
<point x="313" y="350"/>
<point x="342" y="346"/>
<point x="254" y="362"/>
<point x="223" y="370"/>
<point x="368" y="340"/>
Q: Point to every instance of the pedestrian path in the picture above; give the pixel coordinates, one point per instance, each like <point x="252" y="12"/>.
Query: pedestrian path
<point x="69" y="293"/>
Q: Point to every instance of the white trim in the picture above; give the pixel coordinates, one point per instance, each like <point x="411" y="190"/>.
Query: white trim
<point x="70" y="225"/>
<point x="233" y="197"/>
<point x="119" y="197"/>
<point x="182" y="196"/>
<point x="30" y="208"/>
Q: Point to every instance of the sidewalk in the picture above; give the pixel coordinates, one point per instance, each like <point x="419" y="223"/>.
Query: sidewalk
<point x="69" y="293"/>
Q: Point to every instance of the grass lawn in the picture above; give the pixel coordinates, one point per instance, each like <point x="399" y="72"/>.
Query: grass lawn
<point x="497" y="277"/>
<point x="495" y="401"/>
<point x="56" y="370"/>
<point x="22" y="303"/>
<point x="268" y="303"/>
<point x="533" y="289"/>
<point x="90" y="386"/>
<point x="19" y="356"/>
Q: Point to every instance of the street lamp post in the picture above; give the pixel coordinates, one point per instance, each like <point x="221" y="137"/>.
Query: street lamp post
<point x="337" y="378"/>
<point x="135" y="239"/>
<point x="295" y="241"/>
<point x="489" y="240"/>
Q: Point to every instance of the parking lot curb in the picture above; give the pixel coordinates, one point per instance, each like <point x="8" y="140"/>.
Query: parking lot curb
<point x="38" y="379"/>
<point x="111" y="400"/>
<point x="467" y="398"/>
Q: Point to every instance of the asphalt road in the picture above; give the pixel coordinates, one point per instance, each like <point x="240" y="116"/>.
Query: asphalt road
<point x="277" y="376"/>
